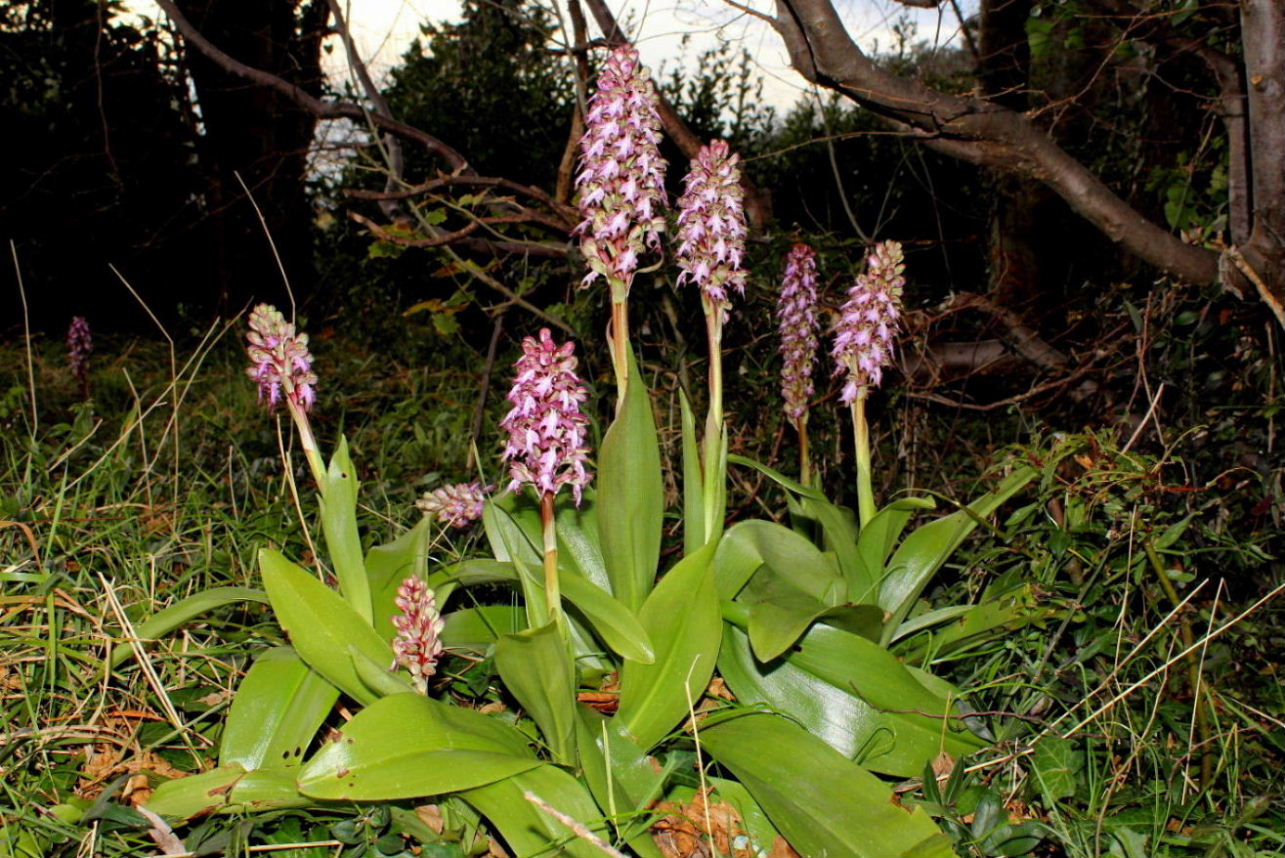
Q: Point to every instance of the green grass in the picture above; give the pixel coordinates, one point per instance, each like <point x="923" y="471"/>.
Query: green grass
<point x="171" y="477"/>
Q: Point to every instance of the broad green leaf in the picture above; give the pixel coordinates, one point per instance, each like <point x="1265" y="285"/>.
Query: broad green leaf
<point x="763" y="834"/>
<point x="339" y="525"/>
<point x="476" y="629"/>
<point x="409" y="746"/>
<point x="683" y="620"/>
<point x="892" y="742"/>
<point x="875" y="675"/>
<point x="789" y="557"/>
<point x="879" y="537"/>
<point x="529" y="831"/>
<point x="923" y="552"/>
<point x="228" y="789"/>
<point x="378" y="676"/>
<point x="536" y="668"/>
<point x="613" y="622"/>
<point x="501" y="518"/>
<point x="321" y="625"/>
<point x="822" y="802"/>
<point x="623" y="779"/>
<point x="577" y="530"/>
<point x="844" y="722"/>
<point x="631" y="496"/>
<point x="276" y="713"/>
<point x="168" y="619"/>
<point x="693" y="482"/>
<point x="390" y="564"/>
<point x="838" y="530"/>
<point x="1055" y="765"/>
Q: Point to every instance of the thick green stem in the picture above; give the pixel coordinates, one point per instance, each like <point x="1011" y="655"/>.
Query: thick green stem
<point x="805" y="457"/>
<point x="619" y="338"/>
<point x="309" y="442"/>
<point x="552" y="591"/>
<point x="865" y="482"/>
<point x="713" y="448"/>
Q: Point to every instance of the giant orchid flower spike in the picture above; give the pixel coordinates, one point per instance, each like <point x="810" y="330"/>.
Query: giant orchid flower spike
<point x="80" y="345"/>
<point x="797" y="311"/>
<point x="622" y="187"/>
<point x="863" y="346"/>
<point x="281" y="362"/>
<point x="458" y="505"/>
<point x="711" y="235"/>
<point x="546" y="428"/>
<point x="418" y="644"/>
<point x="711" y="227"/>
<point x="546" y="445"/>
<point x="863" y="339"/>
<point x="281" y="365"/>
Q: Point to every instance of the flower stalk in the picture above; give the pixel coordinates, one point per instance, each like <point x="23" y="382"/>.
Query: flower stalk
<point x="621" y="188"/>
<point x="863" y="346"/>
<point x="711" y="234"/>
<point x="282" y="367"/>
<point x="546" y="447"/>
<point x="797" y="312"/>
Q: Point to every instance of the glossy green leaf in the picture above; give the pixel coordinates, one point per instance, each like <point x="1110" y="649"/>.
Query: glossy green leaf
<point x="378" y="676"/>
<point x="788" y="557"/>
<point x="276" y="713"/>
<point x="631" y="496"/>
<point x="409" y="746"/>
<point x="822" y="802"/>
<point x="576" y="527"/>
<point x="228" y="789"/>
<point x="617" y="627"/>
<point x="923" y="552"/>
<point x="613" y="622"/>
<point x="1054" y="767"/>
<point x="693" y="482"/>
<point x="839" y="531"/>
<point x="476" y="629"/>
<point x="683" y="620"/>
<point x="622" y="779"/>
<point x="897" y="743"/>
<point x="536" y="668"/>
<point x="879" y="537"/>
<point x="339" y="525"/>
<point x="390" y="564"/>
<point x="170" y="618"/>
<point x="529" y="831"/>
<point x="321" y="625"/>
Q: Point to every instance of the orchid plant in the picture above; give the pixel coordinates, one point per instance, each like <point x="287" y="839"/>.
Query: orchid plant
<point x="805" y="635"/>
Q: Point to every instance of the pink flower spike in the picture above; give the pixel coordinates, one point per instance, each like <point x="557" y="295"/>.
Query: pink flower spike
<point x="865" y="334"/>
<point x="79" y="346"/>
<point x="418" y="643"/>
<point x="622" y="177"/>
<point x="711" y="230"/>
<point x="546" y="445"/>
<point x="797" y="311"/>
<point x="281" y="362"/>
<point x="458" y="505"/>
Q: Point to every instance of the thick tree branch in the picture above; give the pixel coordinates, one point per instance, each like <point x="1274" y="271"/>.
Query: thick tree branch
<point x="1262" y="24"/>
<point x="979" y="131"/>
<point x="320" y="108"/>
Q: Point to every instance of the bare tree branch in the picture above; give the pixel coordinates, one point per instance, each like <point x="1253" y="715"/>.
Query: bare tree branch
<point x="979" y="131"/>
<point x="318" y="107"/>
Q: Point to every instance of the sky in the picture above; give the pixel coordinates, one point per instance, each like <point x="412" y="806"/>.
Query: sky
<point x="383" y="29"/>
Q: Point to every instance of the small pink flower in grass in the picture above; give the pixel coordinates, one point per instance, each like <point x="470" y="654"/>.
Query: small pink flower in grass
<point x="546" y="429"/>
<point x="281" y="363"/>
<point x="622" y="176"/>
<point x="797" y="311"/>
<point x="79" y="347"/>
<point x="418" y="643"/>
<point x="863" y="337"/>
<point x="711" y="226"/>
<point x="458" y="505"/>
